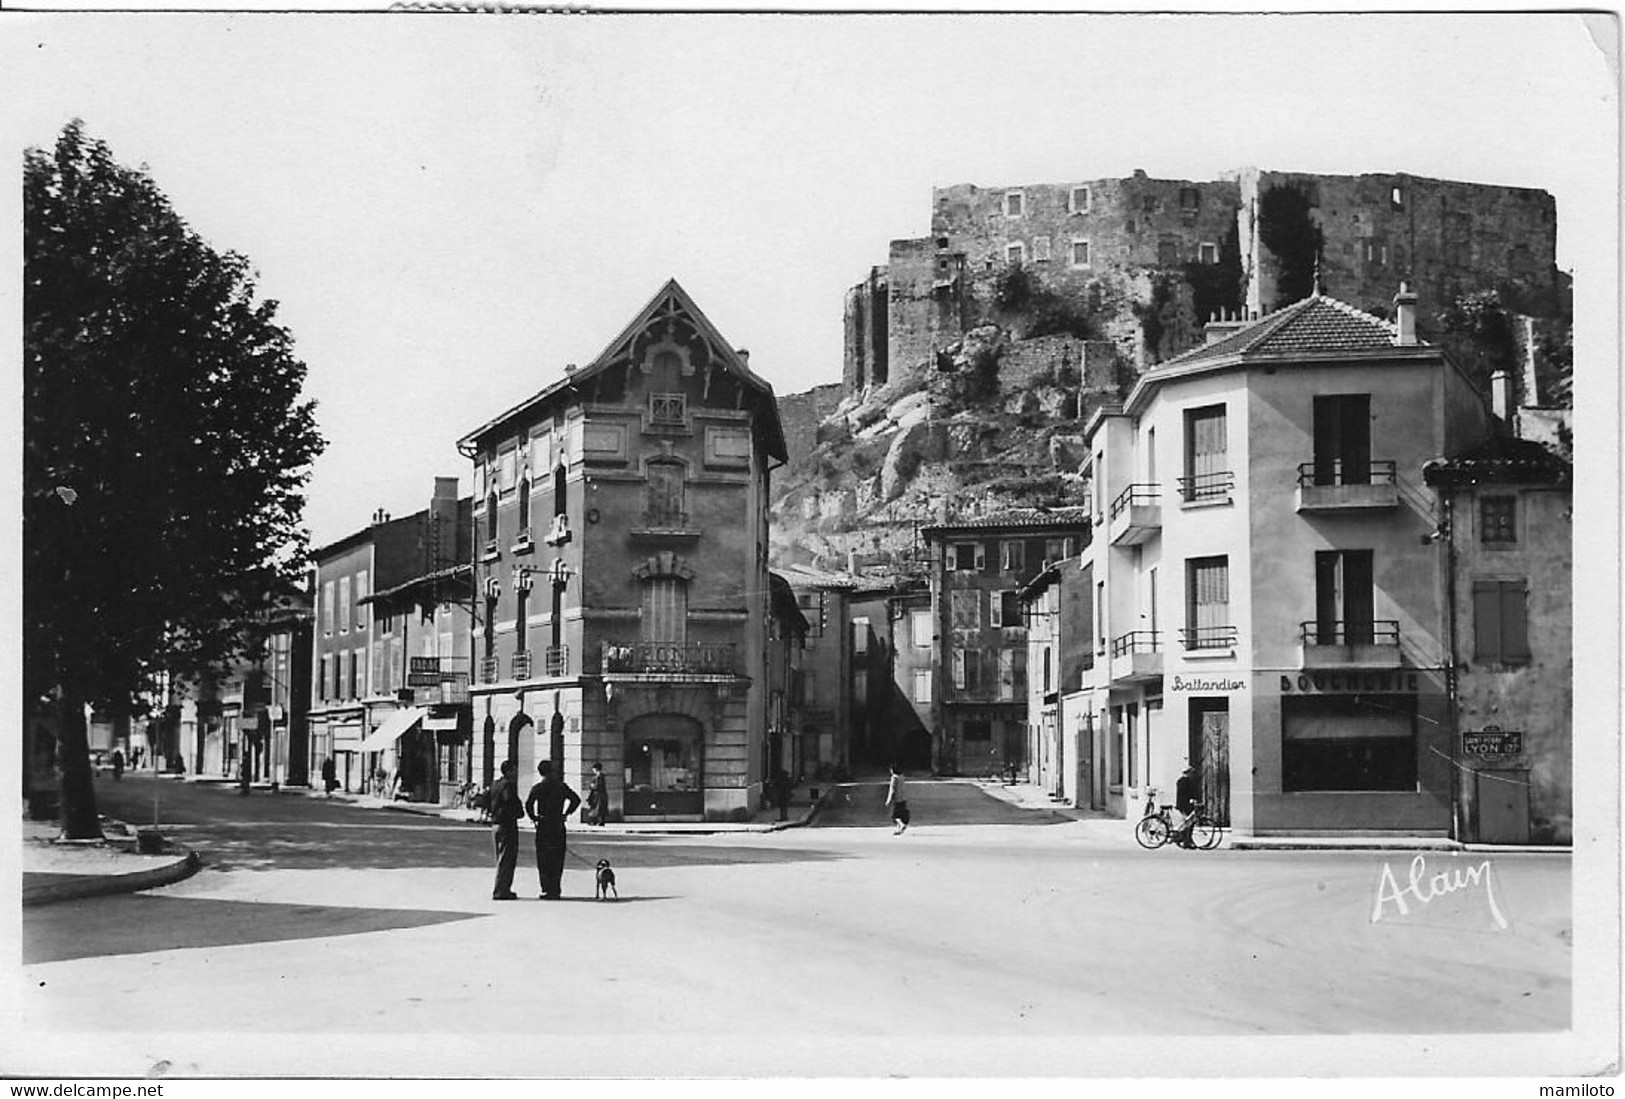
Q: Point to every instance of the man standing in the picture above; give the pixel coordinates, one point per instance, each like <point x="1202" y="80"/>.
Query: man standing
<point x="550" y="802"/>
<point x="505" y="810"/>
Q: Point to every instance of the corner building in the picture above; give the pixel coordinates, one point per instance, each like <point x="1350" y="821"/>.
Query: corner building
<point x="1269" y="582"/>
<point x="621" y="581"/>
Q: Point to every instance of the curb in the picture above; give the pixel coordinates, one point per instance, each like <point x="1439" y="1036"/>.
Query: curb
<point x="98" y="885"/>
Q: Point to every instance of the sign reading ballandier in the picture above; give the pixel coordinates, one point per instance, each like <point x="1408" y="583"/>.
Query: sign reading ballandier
<point x="1206" y="684"/>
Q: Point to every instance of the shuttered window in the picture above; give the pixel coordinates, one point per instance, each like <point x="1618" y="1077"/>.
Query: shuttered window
<point x="1501" y="621"/>
<point x="665" y="609"/>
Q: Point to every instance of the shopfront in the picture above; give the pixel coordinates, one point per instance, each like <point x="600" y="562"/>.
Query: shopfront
<point x="664" y="766"/>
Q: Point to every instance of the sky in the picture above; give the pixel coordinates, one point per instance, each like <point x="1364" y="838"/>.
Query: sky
<point x="450" y="208"/>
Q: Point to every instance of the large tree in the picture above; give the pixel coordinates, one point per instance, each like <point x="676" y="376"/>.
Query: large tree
<point x="166" y="448"/>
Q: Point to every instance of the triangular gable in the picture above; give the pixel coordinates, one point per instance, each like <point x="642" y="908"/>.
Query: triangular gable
<point x="673" y="303"/>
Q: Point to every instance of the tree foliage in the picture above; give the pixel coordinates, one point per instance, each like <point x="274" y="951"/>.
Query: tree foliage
<point x="1288" y="230"/>
<point x="166" y="444"/>
<point x="1476" y="329"/>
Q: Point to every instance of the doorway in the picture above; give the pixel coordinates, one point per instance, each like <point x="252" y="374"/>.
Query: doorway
<point x="1210" y="752"/>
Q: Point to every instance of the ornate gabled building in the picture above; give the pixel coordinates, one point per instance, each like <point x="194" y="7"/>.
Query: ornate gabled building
<point x="621" y="571"/>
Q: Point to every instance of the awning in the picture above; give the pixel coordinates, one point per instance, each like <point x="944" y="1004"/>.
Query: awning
<point x="390" y="731"/>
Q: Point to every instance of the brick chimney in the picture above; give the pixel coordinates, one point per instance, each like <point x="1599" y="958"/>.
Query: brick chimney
<point x="1405" y="315"/>
<point x="1501" y="395"/>
<point x="1225" y="324"/>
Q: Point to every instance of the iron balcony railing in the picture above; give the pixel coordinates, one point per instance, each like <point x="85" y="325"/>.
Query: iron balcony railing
<point x="1380" y="631"/>
<point x="1138" y="496"/>
<point x="489" y="672"/>
<point x="1207" y="486"/>
<point x="556" y="659"/>
<point x="678" y="657"/>
<point x="1209" y="637"/>
<point x="1339" y="472"/>
<point x="1136" y="641"/>
<point x="521" y="664"/>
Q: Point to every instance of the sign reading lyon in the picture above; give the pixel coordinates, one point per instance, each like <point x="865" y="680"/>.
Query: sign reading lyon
<point x="1491" y="740"/>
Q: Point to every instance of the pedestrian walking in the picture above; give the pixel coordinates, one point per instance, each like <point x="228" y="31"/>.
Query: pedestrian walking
<point x="118" y="765"/>
<point x="898" y="803"/>
<point x="505" y="812"/>
<point x="330" y="775"/>
<point x="597" y="797"/>
<point x="550" y="803"/>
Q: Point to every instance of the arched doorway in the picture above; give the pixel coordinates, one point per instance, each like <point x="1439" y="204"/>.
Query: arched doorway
<point x="664" y="756"/>
<point x="522" y="748"/>
<point x="488" y="750"/>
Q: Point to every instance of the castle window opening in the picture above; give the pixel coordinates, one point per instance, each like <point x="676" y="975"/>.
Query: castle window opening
<point x="1014" y="202"/>
<point x="1079" y="203"/>
<point x="1041" y="249"/>
<point x="1397" y="197"/>
<point x="1015" y="252"/>
<point x="1207" y="252"/>
<point x="1080" y="253"/>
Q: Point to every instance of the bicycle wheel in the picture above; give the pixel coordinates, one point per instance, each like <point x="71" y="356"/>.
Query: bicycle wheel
<point x="1206" y="834"/>
<point x="1151" y="832"/>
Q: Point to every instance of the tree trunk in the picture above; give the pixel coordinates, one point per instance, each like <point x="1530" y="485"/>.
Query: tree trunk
<point x="80" y="820"/>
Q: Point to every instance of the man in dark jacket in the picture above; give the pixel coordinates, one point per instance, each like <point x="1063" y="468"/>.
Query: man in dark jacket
<point x="550" y="802"/>
<point x="1186" y="792"/>
<point x="505" y="812"/>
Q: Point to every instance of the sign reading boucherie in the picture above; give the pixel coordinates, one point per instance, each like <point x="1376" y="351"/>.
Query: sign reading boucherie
<point x="1491" y="741"/>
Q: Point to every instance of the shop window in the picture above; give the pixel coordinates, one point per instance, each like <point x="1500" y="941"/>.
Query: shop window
<point x="1348" y="742"/>
<point x="1501" y="621"/>
<point x="1498" y="520"/>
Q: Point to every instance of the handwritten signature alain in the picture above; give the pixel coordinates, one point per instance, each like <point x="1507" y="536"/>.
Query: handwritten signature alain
<point x="1424" y="889"/>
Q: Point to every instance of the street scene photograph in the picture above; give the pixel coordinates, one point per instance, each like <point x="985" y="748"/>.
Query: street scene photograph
<point x="891" y="547"/>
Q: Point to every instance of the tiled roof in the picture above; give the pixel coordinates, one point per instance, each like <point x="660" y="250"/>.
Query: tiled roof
<point x="1314" y="324"/>
<point x="1017" y="517"/>
<point x="1501" y="461"/>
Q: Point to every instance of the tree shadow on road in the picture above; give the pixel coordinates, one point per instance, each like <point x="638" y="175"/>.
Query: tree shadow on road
<point x="141" y="923"/>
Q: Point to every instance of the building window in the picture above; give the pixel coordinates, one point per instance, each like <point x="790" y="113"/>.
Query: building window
<point x="922" y="684"/>
<point x="327" y="607"/>
<point x="1012" y="673"/>
<point x="1189" y="198"/>
<point x="1207" y="252"/>
<point x="321" y="680"/>
<point x="491" y="520"/>
<point x="967" y="557"/>
<point x="1348" y="742"/>
<point x="1207" y="475"/>
<point x="668" y="408"/>
<point x="344" y="604"/>
<point x="860" y="636"/>
<point x="1167" y="252"/>
<point x="1078" y="203"/>
<point x="665" y="492"/>
<point x="1498" y="520"/>
<point x="1041" y="249"/>
<point x="1207" y="605"/>
<point x="965" y="609"/>
<point x="1004" y="609"/>
<point x="1501" y="621"/>
<point x="524" y="505"/>
<point x="968" y="671"/>
<point x="1343" y="439"/>
<point x="1080" y="253"/>
<point x="1012" y="556"/>
<point x="1131" y="736"/>
<point x="1396" y="197"/>
<point x="1046" y="669"/>
<point x="1114" y="749"/>
<point x="1057" y="550"/>
<point x="665" y="609"/>
<point x="1014" y="253"/>
<point x="920" y="626"/>
<point x="1100" y="616"/>
<point x="1014" y="204"/>
<point x="1344" y="597"/>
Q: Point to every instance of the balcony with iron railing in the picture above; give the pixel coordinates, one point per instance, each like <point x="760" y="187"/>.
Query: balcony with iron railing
<point x="661" y="658"/>
<point x="520" y="664"/>
<point x="664" y="524"/>
<point x="1136" y="655"/>
<point x="1207" y="488"/>
<point x="490" y="670"/>
<point x="556" y="660"/>
<point x="1340" y="485"/>
<point x="1209" y="640"/>
<point x="1373" y="643"/>
<point x="1136" y="515"/>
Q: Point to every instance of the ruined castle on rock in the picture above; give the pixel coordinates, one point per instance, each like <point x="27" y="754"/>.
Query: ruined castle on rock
<point x="1141" y="264"/>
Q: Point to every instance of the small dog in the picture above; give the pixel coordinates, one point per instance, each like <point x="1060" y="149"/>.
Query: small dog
<point x="606" y="881"/>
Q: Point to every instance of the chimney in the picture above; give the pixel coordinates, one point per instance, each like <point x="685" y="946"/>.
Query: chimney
<point x="1405" y="315"/>
<point x="1222" y="326"/>
<point x="744" y="355"/>
<point x="852" y="562"/>
<point x="1501" y="395"/>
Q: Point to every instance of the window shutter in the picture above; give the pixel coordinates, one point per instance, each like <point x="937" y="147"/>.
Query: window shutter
<point x="1486" y="620"/>
<point x="959" y="669"/>
<point x="1514" y="622"/>
<point x="995" y="610"/>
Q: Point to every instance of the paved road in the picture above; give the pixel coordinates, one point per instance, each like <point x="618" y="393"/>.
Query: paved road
<point x="809" y="951"/>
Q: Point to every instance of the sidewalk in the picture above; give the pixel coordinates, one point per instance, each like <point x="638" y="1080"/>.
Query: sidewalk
<point x="60" y="870"/>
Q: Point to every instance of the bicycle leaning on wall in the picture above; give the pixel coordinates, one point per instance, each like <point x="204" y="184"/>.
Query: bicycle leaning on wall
<point x="1157" y="827"/>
